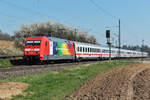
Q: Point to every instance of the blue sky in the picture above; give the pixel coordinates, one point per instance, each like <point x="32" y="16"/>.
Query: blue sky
<point x="82" y="14"/>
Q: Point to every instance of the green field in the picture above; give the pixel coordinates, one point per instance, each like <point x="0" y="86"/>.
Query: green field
<point x="55" y="85"/>
<point x="5" y="63"/>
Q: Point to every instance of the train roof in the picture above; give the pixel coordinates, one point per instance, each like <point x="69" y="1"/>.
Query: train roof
<point x="106" y="47"/>
<point x="57" y="39"/>
<point x="87" y="44"/>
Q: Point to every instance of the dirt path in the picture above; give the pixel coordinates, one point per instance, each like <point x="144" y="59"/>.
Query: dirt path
<point x="9" y="89"/>
<point x="124" y="83"/>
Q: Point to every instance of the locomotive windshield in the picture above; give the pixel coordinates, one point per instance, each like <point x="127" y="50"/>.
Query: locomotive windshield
<point x="33" y="43"/>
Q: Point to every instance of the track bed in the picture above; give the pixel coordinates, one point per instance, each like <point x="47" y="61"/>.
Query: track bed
<point x="22" y="70"/>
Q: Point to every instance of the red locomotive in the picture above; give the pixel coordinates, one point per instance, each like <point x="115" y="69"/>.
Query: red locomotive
<point x="48" y="48"/>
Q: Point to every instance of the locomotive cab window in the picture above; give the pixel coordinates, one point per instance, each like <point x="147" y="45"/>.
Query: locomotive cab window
<point x="37" y="43"/>
<point x="29" y="43"/>
<point x="33" y="43"/>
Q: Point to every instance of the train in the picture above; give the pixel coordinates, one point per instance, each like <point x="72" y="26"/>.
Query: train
<point x="43" y="48"/>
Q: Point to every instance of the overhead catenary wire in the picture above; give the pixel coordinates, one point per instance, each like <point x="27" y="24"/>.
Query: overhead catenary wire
<point x="31" y="11"/>
<point x="23" y="8"/>
<point x="34" y="12"/>
<point x="106" y="12"/>
<point x="103" y="10"/>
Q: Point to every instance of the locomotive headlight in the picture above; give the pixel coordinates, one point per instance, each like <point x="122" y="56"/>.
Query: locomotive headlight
<point x="37" y="49"/>
<point x="27" y="49"/>
<point x="37" y="52"/>
<point x="26" y="52"/>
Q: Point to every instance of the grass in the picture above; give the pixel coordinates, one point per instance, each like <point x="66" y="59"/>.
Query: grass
<point x="5" y="63"/>
<point x="55" y="85"/>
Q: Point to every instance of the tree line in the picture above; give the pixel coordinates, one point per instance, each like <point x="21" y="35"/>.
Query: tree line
<point x="55" y="29"/>
<point x="5" y="36"/>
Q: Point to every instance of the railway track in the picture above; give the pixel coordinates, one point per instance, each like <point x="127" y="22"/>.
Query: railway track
<point x="22" y="70"/>
<point x="52" y="66"/>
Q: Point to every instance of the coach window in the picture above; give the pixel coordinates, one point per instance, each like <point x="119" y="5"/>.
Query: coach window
<point x="93" y="49"/>
<point x="99" y="50"/>
<point x="83" y="49"/>
<point x="78" y="49"/>
<point x="106" y="51"/>
<point x="96" y="50"/>
<point x="103" y="50"/>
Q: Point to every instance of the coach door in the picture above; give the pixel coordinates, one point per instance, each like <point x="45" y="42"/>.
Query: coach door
<point x="51" y="48"/>
<point x="46" y="47"/>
